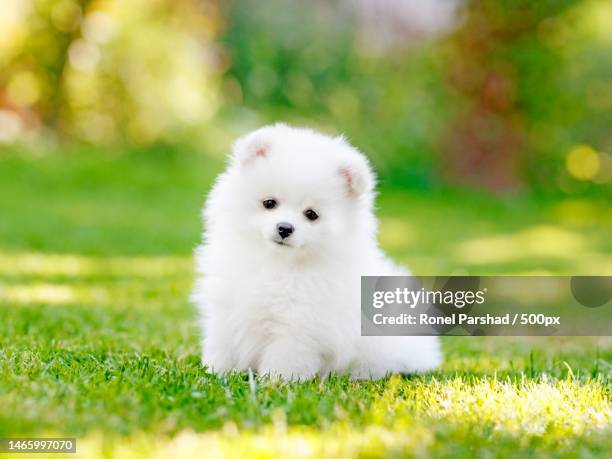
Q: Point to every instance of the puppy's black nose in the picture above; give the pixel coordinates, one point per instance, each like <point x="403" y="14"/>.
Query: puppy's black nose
<point x="284" y="229"/>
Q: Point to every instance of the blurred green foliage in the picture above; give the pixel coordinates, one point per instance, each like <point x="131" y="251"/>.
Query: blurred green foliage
<point x="511" y="96"/>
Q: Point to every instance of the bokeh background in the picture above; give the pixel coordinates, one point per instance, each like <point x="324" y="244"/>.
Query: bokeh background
<point x="508" y="96"/>
<point x="488" y="122"/>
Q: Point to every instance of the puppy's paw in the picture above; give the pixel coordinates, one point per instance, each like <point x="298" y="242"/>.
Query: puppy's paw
<point x="288" y="374"/>
<point x="282" y="362"/>
<point x="215" y="363"/>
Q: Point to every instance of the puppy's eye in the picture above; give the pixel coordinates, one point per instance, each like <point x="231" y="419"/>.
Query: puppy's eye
<point x="311" y="214"/>
<point x="269" y="203"/>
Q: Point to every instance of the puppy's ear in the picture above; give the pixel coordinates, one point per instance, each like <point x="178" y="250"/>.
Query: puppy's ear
<point x="251" y="147"/>
<point x="357" y="175"/>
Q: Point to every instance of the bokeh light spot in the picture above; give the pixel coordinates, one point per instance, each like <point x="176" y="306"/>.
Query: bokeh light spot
<point x="10" y="126"/>
<point x="23" y="89"/>
<point x="98" y="27"/>
<point x="83" y="55"/>
<point x="12" y="15"/>
<point x="66" y="15"/>
<point x="582" y="162"/>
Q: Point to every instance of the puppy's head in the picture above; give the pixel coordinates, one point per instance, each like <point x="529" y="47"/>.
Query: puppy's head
<point x="297" y="190"/>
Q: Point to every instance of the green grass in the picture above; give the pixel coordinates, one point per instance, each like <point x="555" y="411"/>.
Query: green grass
<point x="98" y="340"/>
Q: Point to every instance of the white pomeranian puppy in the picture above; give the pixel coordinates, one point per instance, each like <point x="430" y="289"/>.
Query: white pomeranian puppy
<point x="290" y="230"/>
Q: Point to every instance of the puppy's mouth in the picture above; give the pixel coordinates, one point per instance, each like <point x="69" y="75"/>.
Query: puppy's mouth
<point x="281" y="242"/>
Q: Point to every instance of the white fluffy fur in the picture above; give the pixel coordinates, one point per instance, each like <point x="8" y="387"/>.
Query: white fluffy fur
<point x="293" y="310"/>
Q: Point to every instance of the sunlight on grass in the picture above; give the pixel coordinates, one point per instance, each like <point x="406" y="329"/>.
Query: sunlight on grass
<point x="63" y="294"/>
<point x="134" y="294"/>
<point x="560" y="409"/>
<point x="407" y="419"/>
<point x="58" y="279"/>
<point x="40" y="264"/>
<point x="339" y="440"/>
<point x="536" y="241"/>
<point x="38" y="293"/>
